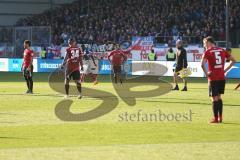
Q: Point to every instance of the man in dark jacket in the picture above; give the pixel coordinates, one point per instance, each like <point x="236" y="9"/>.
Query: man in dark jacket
<point x="181" y="64"/>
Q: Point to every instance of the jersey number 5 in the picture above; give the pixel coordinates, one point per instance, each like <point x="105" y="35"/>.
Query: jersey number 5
<point x="218" y="58"/>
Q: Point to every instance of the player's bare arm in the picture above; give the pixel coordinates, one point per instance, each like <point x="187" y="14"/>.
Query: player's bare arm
<point x="128" y="50"/>
<point x="203" y="65"/>
<point x="109" y="57"/>
<point x="30" y="65"/>
<point x="232" y="62"/>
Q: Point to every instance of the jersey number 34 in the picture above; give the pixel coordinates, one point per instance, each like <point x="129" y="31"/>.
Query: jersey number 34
<point x="74" y="54"/>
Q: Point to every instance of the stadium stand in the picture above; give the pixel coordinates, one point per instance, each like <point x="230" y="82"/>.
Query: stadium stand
<point x="117" y="20"/>
<point x="12" y="10"/>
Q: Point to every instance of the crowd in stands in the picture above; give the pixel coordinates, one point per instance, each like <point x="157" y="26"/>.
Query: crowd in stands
<point x="100" y="21"/>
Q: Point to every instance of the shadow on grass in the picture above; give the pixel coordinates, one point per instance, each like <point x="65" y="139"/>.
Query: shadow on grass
<point x="12" y="114"/>
<point x="35" y="95"/>
<point x="8" y="122"/>
<point x="182" y="102"/>
<point x="231" y="123"/>
<point x="12" y="138"/>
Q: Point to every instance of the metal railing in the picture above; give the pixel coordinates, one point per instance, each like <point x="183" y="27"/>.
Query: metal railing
<point x="12" y="38"/>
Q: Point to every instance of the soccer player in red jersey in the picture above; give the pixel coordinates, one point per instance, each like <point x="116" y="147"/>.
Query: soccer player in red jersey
<point x="73" y="61"/>
<point x="216" y="57"/>
<point x="117" y="57"/>
<point x="27" y="67"/>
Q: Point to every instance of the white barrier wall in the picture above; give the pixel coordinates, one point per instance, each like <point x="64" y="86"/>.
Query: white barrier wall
<point x="4" y="64"/>
<point x="195" y="67"/>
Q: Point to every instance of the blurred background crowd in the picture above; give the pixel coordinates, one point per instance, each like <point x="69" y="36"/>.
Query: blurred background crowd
<point x="101" y="21"/>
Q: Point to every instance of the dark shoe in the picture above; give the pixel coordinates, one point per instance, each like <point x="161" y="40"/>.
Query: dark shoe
<point x="220" y="119"/>
<point x="184" y="89"/>
<point x="27" y="92"/>
<point x="30" y="92"/>
<point x="176" y="88"/>
<point x="214" y="120"/>
<point x="79" y="96"/>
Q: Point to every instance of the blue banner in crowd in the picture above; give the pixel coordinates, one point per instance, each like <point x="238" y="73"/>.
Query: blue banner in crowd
<point x="105" y="67"/>
<point x="15" y="65"/>
<point x="48" y="65"/>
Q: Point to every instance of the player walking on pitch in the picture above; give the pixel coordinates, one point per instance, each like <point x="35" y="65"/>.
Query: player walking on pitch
<point x="216" y="57"/>
<point x="73" y="61"/>
<point x="90" y="65"/>
<point x="27" y="66"/>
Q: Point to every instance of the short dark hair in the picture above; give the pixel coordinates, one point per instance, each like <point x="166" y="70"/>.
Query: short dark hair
<point x="209" y="39"/>
<point x="27" y="42"/>
<point x="229" y="49"/>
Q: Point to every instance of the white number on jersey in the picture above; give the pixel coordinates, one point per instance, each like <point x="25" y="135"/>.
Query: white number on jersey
<point x="218" y="60"/>
<point x="75" y="54"/>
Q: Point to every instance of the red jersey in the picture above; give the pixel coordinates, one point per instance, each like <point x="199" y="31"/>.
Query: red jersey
<point x="216" y="58"/>
<point x="73" y="58"/>
<point x="118" y="57"/>
<point x="27" y="57"/>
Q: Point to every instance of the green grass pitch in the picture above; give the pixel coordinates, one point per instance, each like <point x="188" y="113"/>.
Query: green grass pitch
<point x="30" y="130"/>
